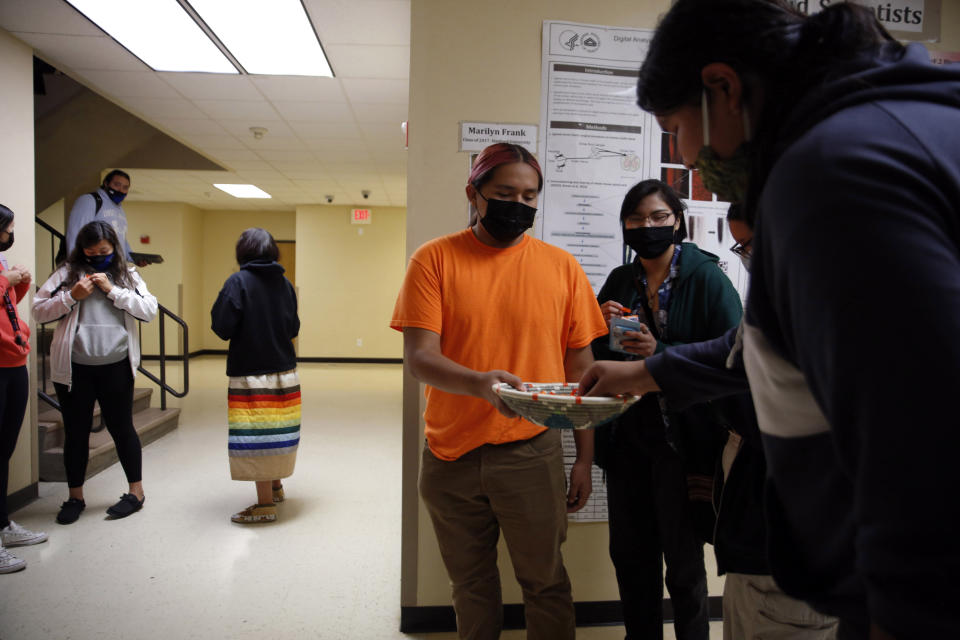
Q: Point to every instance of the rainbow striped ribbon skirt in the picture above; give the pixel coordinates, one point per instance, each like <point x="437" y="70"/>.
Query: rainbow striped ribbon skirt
<point x="264" y="418"/>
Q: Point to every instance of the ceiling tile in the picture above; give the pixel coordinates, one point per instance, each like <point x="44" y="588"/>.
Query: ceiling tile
<point x="271" y="174"/>
<point x="272" y="156"/>
<point x="124" y="84"/>
<point x="83" y="52"/>
<point x="272" y="142"/>
<point x="250" y="165"/>
<point x="212" y="86"/>
<point x="241" y="128"/>
<point x="45" y="16"/>
<point x="164" y="108"/>
<point x="299" y="88"/>
<point x="377" y="90"/>
<point x="314" y="111"/>
<point x="343" y="130"/>
<point x="192" y="127"/>
<point x="377" y="113"/>
<point x="346" y="170"/>
<point x="304" y="173"/>
<point x="215" y="143"/>
<point x="387" y="137"/>
<point x="351" y="23"/>
<point x="259" y="110"/>
<point x="357" y="153"/>
<point x="230" y="155"/>
<point x="369" y="61"/>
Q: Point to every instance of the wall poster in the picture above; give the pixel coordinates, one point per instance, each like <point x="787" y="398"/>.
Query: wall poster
<point x="595" y="144"/>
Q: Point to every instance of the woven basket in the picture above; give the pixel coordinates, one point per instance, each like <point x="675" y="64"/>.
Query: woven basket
<point x="557" y="405"/>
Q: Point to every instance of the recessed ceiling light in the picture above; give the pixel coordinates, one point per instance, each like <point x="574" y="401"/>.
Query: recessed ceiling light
<point x="159" y="32"/>
<point x="269" y="38"/>
<point x="243" y="190"/>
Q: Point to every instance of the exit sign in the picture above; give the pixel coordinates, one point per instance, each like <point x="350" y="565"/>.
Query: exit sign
<point x="360" y="216"/>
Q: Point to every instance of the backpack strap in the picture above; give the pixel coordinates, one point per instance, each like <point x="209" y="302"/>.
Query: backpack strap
<point x="98" y="200"/>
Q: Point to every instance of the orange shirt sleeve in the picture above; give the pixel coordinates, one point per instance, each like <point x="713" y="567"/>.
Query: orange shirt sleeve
<point x="587" y="320"/>
<point x="420" y="302"/>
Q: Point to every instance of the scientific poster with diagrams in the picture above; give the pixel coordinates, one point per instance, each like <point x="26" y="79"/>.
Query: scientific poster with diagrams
<point x="595" y="143"/>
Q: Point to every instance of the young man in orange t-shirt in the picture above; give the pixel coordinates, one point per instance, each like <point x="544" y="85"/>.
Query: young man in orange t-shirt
<point x="485" y="305"/>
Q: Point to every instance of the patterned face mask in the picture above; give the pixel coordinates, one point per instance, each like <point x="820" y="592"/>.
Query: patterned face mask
<point x="726" y="177"/>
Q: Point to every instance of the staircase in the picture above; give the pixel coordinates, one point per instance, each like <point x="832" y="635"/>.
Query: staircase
<point x="150" y="423"/>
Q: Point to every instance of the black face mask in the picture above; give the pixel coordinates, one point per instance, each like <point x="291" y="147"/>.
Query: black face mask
<point x="649" y="242"/>
<point x="9" y="243"/>
<point x="505" y="220"/>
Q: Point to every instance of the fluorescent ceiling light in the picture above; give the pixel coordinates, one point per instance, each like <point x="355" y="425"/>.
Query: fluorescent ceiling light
<point x="243" y="190"/>
<point x="270" y="38"/>
<point x="159" y="32"/>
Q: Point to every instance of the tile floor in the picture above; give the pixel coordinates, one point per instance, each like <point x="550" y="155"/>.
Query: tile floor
<point x="329" y="569"/>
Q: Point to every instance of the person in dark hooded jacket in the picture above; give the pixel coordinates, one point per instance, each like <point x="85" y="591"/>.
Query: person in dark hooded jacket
<point x="845" y="147"/>
<point x="257" y="312"/>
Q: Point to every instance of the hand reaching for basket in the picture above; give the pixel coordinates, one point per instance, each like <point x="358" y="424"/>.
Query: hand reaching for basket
<point x="609" y="378"/>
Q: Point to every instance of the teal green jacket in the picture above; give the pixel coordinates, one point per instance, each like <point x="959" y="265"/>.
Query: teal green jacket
<point x="703" y="305"/>
<point x="703" y="302"/>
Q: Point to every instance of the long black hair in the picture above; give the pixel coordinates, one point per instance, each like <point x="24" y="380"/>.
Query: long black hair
<point x="90" y="235"/>
<point x="772" y="47"/>
<point x="651" y="187"/>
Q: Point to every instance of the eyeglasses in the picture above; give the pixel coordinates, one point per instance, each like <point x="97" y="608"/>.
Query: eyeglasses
<point x="656" y="220"/>
<point x="742" y="249"/>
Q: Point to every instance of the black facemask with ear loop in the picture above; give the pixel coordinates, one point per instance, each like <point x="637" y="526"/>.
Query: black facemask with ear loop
<point x="505" y="220"/>
<point x="9" y="243"/>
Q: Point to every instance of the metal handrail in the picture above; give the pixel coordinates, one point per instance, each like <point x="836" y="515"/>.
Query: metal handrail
<point x="162" y="380"/>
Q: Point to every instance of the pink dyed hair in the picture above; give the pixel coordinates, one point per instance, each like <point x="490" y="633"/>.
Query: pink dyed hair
<point x="499" y="154"/>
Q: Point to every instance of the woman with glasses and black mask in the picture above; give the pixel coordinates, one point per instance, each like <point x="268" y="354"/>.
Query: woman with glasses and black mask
<point x="659" y="462"/>
<point x="98" y="298"/>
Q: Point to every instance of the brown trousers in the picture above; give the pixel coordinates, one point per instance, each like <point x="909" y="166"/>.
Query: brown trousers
<point x="518" y="488"/>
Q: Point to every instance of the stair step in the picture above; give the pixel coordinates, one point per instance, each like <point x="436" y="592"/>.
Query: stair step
<point x="51" y="433"/>
<point x="150" y="424"/>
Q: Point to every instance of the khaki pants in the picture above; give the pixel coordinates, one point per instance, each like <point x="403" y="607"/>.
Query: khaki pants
<point x="517" y="488"/>
<point x="754" y="608"/>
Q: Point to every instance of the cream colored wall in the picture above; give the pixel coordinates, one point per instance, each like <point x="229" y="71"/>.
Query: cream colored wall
<point x="480" y="62"/>
<point x="221" y="230"/>
<point x="16" y="192"/>
<point x="348" y="277"/>
<point x="166" y="224"/>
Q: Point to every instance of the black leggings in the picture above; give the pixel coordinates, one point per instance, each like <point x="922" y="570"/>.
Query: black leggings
<point x="111" y="385"/>
<point x="14" y="390"/>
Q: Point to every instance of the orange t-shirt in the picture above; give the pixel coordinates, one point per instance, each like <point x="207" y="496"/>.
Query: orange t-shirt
<point x="518" y="309"/>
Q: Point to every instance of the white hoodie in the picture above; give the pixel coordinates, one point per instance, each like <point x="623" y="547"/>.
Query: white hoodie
<point x="54" y="302"/>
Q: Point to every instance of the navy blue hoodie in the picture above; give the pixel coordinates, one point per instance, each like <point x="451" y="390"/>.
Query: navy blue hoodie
<point x="852" y="347"/>
<point x="257" y="312"/>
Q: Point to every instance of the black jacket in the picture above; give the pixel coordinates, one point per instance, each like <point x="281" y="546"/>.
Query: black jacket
<point x="853" y="345"/>
<point x="257" y="312"/>
<point x="698" y="372"/>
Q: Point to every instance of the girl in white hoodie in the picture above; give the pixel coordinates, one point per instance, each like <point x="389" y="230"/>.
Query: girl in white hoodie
<point x="98" y="299"/>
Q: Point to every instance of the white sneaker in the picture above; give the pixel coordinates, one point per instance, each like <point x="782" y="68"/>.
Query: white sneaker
<point x="13" y="535"/>
<point x="10" y="563"/>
